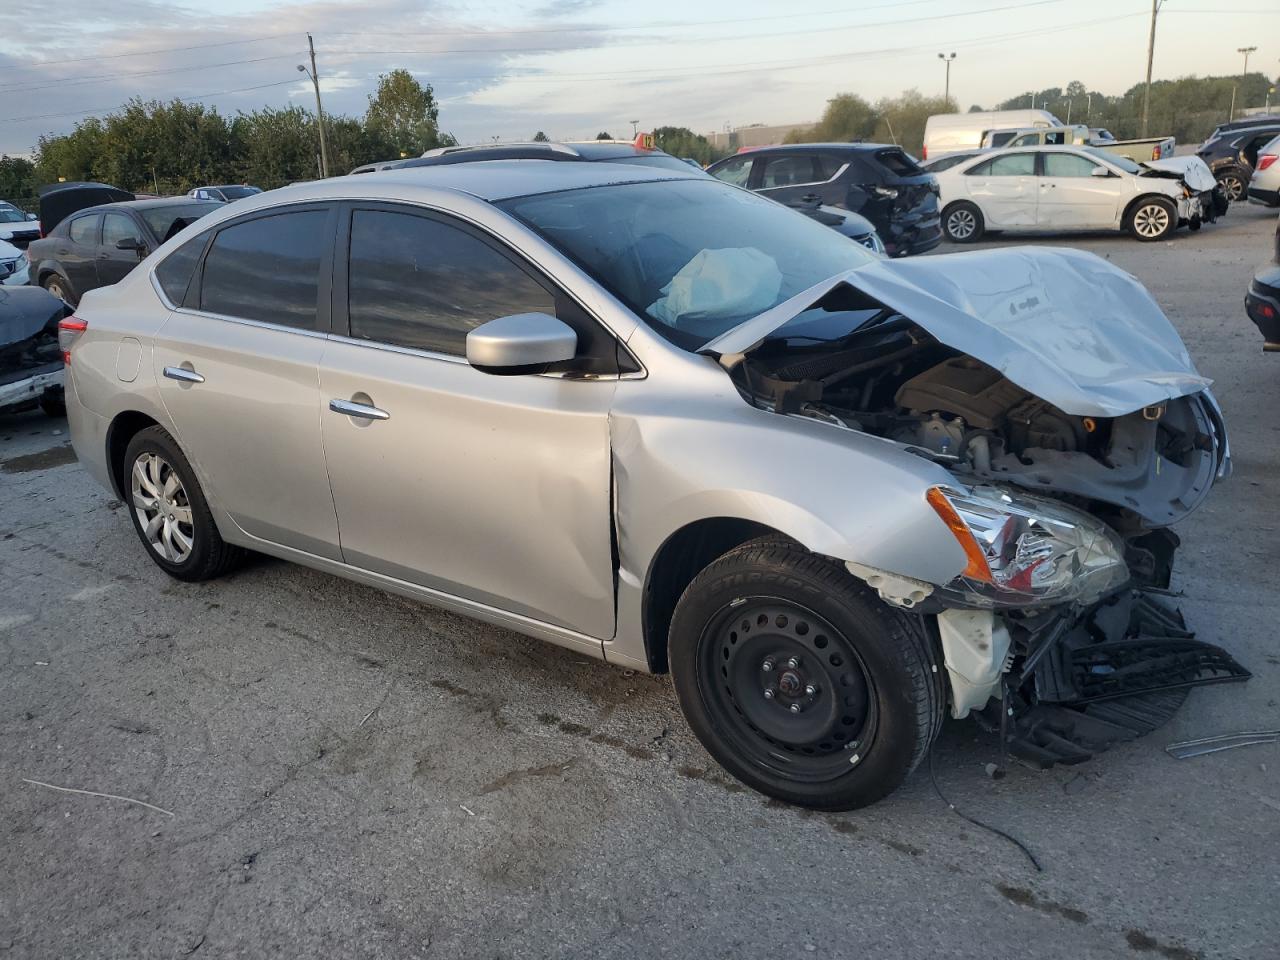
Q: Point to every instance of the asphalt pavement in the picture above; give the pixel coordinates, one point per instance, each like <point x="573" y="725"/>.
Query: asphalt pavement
<point x="337" y="772"/>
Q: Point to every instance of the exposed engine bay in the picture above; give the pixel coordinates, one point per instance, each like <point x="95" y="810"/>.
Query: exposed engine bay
<point x="891" y="378"/>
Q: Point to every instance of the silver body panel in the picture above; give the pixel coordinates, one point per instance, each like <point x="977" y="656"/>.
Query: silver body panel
<point x="537" y="502"/>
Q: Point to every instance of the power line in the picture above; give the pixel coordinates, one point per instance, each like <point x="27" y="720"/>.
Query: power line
<point x="150" y="53"/>
<point x="121" y="106"/>
<point x="22" y="85"/>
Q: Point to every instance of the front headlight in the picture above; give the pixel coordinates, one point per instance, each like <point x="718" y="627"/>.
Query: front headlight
<point x="875" y="243"/>
<point x="1023" y="551"/>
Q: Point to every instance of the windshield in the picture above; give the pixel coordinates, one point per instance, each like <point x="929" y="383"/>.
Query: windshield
<point x="238" y="193"/>
<point x="693" y="258"/>
<point x="12" y="216"/>
<point x="165" y="222"/>
<point x="1124" y="163"/>
<point x="663" y="160"/>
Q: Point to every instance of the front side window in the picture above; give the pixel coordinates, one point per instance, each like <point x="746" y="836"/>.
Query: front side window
<point x="267" y="269"/>
<point x="1026" y="140"/>
<point x="1055" y="138"/>
<point x="84" y="229"/>
<point x="1006" y="165"/>
<point x="417" y="282"/>
<point x="117" y="227"/>
<point x="692" y="258"/>
<point x="1067" y="165"/>
<point x="786" y="171"/>
<point x="736" y="171"/>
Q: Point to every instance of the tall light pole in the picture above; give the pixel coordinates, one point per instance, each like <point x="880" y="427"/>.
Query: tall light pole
<point x="1151" y="53"/>
<point x="1231" y="114"/>
<point x="635" y="127"/>
<point x="315" y="82"/>
<point x="945" y="58"/>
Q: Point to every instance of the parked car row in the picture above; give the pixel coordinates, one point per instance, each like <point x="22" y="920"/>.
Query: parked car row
<point x="1232" y="150"/>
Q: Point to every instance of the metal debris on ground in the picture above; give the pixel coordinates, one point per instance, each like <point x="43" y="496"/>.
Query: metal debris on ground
<point x="1198" y="748"/>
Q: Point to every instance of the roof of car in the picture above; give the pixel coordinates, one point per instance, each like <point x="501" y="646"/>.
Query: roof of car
<point x="147" y="204"/>
<point x="500" y="179"/>
<point x="827" y="147"/>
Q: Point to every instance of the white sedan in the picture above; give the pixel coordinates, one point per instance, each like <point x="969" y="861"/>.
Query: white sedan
<point x="1074" y="188"/>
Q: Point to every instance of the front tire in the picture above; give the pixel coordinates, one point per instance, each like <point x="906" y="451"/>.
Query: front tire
<point x="799" y="681"/>
<point x="962" y="222"/>
<point x="1152" y="218"/>
<point x="169" y="510"/>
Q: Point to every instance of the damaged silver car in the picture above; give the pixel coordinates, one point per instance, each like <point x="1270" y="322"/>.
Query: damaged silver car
<point x="673" y="425"/>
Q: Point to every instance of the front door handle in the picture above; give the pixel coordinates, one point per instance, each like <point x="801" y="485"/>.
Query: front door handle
<point x="183" y="375"/>
<point x="364" y="411"/>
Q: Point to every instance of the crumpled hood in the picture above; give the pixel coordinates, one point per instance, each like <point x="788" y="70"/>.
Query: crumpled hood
<point x="1195" y="173"/>
<point x="1064" y="325"/>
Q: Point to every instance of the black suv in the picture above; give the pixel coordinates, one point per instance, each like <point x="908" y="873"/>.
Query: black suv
<point x="876" y="180"/>
<point x="1232" y="151"/>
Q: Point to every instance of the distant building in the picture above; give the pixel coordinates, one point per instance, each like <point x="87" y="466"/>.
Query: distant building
<point x="754" y="135"/>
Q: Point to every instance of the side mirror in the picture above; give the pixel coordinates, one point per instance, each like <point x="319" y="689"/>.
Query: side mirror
<point x="32" y="216"/>
<point x="1099" y="172"/>
<point x="130" y="243"/>
<point x="520" y="343"/>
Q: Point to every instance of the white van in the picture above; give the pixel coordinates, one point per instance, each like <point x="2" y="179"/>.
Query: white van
<point x="945" y="132"/>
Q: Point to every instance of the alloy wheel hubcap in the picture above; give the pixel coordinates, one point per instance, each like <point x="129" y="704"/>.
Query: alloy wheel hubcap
<point x="163" y="510"/>
<point x="961" y="224"/>
<point x="1151" y="221"/>
<point x="1233" y="187"/>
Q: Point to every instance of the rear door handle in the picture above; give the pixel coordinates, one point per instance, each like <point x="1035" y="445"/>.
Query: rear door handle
<point x="183" y="375"/>
<point x="364" y="411"/>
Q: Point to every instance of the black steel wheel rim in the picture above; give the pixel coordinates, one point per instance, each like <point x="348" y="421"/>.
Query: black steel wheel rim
<point x="787" y="689"/>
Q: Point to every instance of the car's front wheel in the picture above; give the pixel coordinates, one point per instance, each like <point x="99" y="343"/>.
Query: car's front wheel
<point x="169" y="509"/>
<point x="1153" y="218"/>
<point x="799" y="681"/>
<point x="962" y="222"/>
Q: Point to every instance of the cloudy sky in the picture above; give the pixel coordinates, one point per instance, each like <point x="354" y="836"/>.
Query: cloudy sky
<point x="574" y="67"/>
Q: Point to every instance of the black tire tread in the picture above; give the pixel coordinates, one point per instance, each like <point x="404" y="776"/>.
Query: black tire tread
<point x="908" y="636"/>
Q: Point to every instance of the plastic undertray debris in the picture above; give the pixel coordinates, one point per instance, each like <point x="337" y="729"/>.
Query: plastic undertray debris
<point x="1227" y="741"/>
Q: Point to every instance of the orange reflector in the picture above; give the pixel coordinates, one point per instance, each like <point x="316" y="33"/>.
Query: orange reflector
<point x="643" y="141"/>
<point x="976" y="568"/>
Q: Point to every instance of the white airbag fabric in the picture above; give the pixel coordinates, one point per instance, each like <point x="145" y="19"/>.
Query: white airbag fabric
<point x="733" y="281"/>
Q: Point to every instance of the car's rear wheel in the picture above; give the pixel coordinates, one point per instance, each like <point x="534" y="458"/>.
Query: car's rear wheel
<point x="58" y="287"/>
<point x="800" y="682"/>
<point x="1153" y="218"/>
<point x="962" y="222"/>
<point x="1233" y="185"/>
<point x="169" y="510"/>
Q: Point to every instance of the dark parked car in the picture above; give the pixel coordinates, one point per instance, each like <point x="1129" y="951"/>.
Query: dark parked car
<point x="31" y="372"/>
<point x="879" y="181"/>
<point x="852" y="225"/>
<point x="98" y="245"/>
<point x="1262" y="302"/>
<point x="1232" y="152"/>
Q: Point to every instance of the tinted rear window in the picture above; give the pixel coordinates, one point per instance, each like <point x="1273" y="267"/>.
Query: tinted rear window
<point x="898" y="163"/>
<point x="175" y="271"/>
<point x="165" y="222"/>
<point x="267" y="269"/>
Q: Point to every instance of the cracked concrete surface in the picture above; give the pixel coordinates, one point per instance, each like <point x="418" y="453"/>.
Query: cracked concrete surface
<point x="356" y="775"/>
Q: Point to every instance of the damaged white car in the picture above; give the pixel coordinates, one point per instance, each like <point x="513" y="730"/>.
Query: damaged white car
<point x="1060" y="189"/>
<point x="673" y="425"/>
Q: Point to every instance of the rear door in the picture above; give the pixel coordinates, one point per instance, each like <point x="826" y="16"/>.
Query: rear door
<point x="1005" y="189"/>
<point x="796" y="179"/>
<point x="77" y="251"/>
<point x="1070" y="197"/>
<point x="492" y="488"/>
<point x="237" y="364"/>
<point x="114" y="263"/>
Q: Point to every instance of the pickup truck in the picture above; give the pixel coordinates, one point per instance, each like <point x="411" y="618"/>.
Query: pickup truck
<point x="1139" y="151"/>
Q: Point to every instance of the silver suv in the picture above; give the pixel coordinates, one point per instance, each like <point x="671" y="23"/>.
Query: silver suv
<point x="676" y="426"/>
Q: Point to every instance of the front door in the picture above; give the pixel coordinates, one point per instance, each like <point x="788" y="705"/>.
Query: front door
<point x="491" y="488"/>
<point x="1071" y="197"/>
<point x="237" y="368"/>
<point x="1004" y="187"/>
<point x="113" y="262"/>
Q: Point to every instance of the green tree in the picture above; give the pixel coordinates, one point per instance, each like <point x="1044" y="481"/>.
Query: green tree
<point x="603" y="135"/>
<point x="72" y="156"/>
<point x="848" y="117"/>
<point x="683" y="142"/>
<point x="18" y="181"/>
<point x="405" y="112"/>
<point x="901" y="119"/>
<point x="541" y="137"/>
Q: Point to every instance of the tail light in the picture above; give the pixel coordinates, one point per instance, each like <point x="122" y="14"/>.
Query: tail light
<point x="1266" y="160"/>
<point x="924" y="152"/>
<point x="1155" y="152"/>
<point x="69" y="330"/>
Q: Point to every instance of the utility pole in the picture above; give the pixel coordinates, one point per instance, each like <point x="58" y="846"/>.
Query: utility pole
<point x="1088" y="107"/>
<point x="946" y="96"/>
<point x="315" y="82"/>
<point x="1069" y="111"/>
<point x="635" y="128"/>
<point x="1151" y="54"/>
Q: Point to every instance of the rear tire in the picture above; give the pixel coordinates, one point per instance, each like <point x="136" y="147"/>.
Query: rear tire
<point x="59" y="288"/>
<point x="1151" y="219"/>
<point x="962" y="222"/>
<point x="1233" y="185"/>
<point x="799" y="681"/>
<point x="169" y="510"/>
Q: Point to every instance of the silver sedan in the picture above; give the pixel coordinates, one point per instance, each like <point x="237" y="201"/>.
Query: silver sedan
<point x="675" y="426"/>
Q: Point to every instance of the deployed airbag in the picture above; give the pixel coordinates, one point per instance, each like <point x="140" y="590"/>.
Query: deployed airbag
<point x="733" y="282"/>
